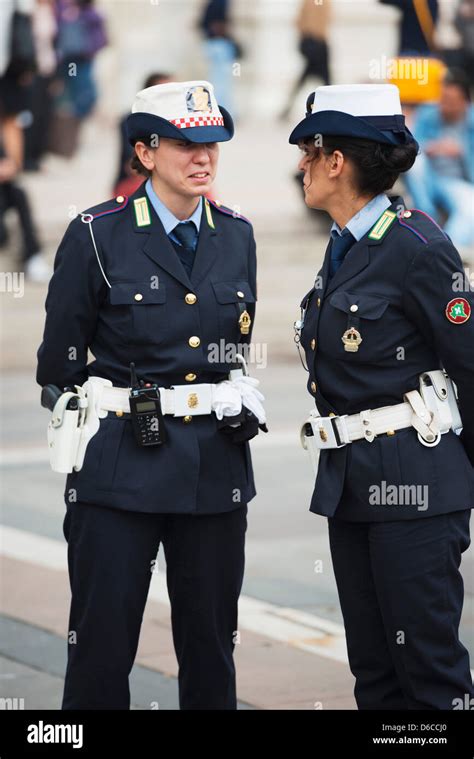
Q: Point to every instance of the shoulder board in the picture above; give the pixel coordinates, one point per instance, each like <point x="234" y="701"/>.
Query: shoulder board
<point x="421" y="225"/>
<point x="222" y="209"/>
<point x="382" y="225"/>
<point x="108" y="207"/>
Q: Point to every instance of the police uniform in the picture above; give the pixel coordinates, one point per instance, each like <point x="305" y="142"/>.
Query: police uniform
<point x="128" y="296"/>
<point x="397" y="293"/>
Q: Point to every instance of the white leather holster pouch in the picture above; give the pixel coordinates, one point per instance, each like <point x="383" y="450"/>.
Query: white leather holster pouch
<point x="440" y="396"/>
<point x="70" y="430"/>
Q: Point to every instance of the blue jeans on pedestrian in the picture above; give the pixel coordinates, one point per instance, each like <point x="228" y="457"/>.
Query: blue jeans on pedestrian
<point x="220" y="54"/>
<point x="431" y="192"/>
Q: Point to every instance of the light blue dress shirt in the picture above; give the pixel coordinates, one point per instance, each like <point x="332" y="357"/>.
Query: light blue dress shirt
<point x="364" y="219"/>
<point x="167" y="218"/>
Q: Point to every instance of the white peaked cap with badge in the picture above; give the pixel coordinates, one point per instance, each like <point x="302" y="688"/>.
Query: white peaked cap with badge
<point x="180" y="110"/>
<point x="366" y="111"/>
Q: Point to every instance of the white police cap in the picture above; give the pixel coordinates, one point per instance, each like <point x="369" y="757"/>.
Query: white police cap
<point x="180" y="110"/>
<point x="369" y="111"/>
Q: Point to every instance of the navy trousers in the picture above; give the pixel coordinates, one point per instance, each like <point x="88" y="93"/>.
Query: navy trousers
<point x="110" y="555"/>
<point x="401" y="596"/>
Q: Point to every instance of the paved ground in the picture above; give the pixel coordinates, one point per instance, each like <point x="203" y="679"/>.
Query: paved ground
<point x="292" y="651"/>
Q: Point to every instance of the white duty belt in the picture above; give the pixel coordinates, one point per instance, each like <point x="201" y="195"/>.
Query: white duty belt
<point x="432" y="411"/>
<point x="180" y="400"/>
<point x="224" y="398"/>
<point x="69" y="431"/>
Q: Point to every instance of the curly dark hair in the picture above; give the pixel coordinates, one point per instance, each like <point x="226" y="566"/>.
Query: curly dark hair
<point x="377" y="166"/>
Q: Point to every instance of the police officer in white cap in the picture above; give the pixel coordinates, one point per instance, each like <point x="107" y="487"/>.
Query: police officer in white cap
<point x="387" y="329"/>
<point x="150" y="284"/>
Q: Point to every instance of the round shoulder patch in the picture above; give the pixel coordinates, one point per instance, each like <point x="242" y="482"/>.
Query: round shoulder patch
<point x="458" y="311"/>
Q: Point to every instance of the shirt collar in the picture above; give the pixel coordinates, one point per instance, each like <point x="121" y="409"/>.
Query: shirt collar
<point x="364" y="219"/>
<point x="167" y="218"/>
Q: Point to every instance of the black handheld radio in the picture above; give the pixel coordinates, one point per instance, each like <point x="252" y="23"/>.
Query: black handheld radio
<point x="145" y="409"/>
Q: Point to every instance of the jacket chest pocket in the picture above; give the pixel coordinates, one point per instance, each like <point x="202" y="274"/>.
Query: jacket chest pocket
<point x="233" y="299"/>
<point x="357" y="329"/>
<point x="138" y="312"/>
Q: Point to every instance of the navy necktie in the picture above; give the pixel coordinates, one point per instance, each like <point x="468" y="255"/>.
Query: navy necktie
<point x="186" y="233"/>
<point x="339" y="247"/>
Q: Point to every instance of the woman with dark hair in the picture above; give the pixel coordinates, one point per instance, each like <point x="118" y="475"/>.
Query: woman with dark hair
<point x="387" y="335"/>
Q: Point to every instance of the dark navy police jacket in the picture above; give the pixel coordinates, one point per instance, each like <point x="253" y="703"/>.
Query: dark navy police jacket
<point x="405" y="283"/>
<point x="199" y="469"/>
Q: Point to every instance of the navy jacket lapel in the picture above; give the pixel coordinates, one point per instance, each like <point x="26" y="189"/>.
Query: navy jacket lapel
<point x="324" y="273"/>
<point x="357" y="258"/>
<point x="208" y="247"/>
<point x="156" y="244"/>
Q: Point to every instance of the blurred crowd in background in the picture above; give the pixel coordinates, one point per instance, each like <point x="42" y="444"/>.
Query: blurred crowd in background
<point x="48" y="89"/>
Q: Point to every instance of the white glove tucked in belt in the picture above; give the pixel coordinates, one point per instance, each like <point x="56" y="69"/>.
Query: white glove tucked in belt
<point x="230" y="395"/>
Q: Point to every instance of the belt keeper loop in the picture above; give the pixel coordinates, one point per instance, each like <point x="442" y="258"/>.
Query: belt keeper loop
<point x="335" y="430"/>
<point x="366" y="419"/>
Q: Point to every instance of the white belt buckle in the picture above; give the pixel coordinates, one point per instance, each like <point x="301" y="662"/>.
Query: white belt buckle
<point x="330" y="431"/>
<point x="192" y="401"/>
